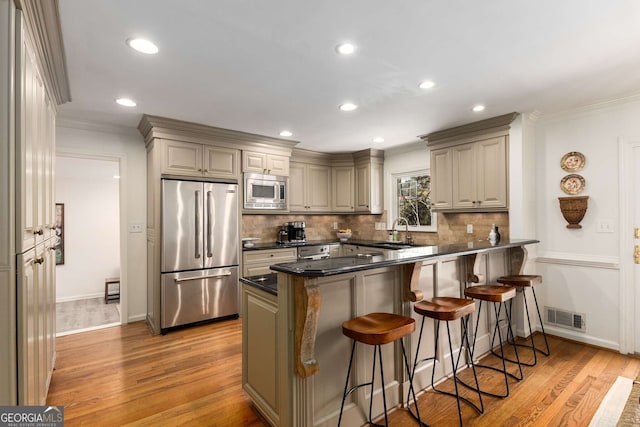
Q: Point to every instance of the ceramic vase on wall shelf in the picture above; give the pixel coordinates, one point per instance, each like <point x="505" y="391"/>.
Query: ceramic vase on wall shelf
<point x="573" y="209"/>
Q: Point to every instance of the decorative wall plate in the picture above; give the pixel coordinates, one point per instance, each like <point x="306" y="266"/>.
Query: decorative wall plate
<point x="573" y="161"/>
<point x="572" y="184"/>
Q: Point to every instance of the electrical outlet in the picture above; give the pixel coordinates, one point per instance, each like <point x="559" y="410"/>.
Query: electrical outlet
<point x="335" y="225"/>
<point x="469" y="228"/>
<point x="381" y="226"/>
<point x="135" y="228"/>
<point x="605" y="226"/>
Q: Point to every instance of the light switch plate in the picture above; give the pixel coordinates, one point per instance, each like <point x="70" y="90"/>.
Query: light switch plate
<point x="605" y="226"/>
<point x="135" y="228"/>
<point x="469" y="228"/>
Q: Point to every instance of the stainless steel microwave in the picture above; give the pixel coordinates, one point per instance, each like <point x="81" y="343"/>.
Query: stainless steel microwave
<point x="265" y="191"/>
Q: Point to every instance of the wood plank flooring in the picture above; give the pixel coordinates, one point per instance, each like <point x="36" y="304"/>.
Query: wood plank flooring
<point x="124" y="376"/>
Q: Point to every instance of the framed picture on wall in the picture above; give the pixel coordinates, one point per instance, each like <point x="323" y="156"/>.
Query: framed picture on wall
<point x="59" y="233"/>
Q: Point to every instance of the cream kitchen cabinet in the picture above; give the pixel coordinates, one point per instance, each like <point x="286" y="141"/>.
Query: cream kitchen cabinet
<point x="257" y="262"/>
<point x="201" y="160"/>
<point x="309" y="187"/>
<point x="265" y="163"/>
<point x="368" y="183"/>
<point x="480" y="175"/>
<point x="343" y="185"/>
<point x="260" y="351"/>
<point x="28" y="102"/>
<point x="469" y="166"/>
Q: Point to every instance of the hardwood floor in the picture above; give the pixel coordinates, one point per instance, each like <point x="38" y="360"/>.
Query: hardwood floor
<point x="124" y="376"/>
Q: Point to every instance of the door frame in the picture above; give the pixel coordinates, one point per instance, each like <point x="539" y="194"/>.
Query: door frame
<point x="122" y="201"/>
<point x="629" y="317"/>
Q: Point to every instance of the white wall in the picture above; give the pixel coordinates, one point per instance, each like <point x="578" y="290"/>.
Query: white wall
<point x="90" y="195"/>
<point x="581" y="267"/>
<point x="126" y="146"/>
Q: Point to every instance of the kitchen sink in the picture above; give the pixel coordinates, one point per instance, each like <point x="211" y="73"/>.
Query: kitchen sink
<point x="391" y="245"/>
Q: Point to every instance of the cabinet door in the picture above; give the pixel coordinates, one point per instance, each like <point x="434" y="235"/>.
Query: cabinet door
<point x="343" y="183"/>
<point x="441" y="174"/>
<point x="318" y="188"/>
<point x="260" y="350"/>
<point x="376" y="185"/>
<point x="277" y="165"/>
<point x="182" y="158"/>
<point x="254" y="162"/>
<point x="491" y="158"/>
<point x="220" y="162"/>
<point x="464" y="176"/>
<point x="297" y="187"/>
<point x="363" y="187"/>
<point x="27" y="329"/>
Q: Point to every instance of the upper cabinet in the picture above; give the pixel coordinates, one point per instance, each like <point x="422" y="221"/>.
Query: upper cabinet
<point x="265" y="163"/>
<point x="343" y="197"/>
<point x="469" y="167"/>
<point x="309" y="187"/>
<point x="369" y="181"/>
<point x="190" y="159"/>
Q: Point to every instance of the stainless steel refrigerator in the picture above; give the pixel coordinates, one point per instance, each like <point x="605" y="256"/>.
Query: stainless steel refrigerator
<point x="199" y="252"/>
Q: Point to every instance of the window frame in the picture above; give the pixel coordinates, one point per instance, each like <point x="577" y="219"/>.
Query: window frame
<point x="393" y="208"/>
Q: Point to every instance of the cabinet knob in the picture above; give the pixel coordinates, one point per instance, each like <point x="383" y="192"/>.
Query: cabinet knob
<point x="38" y="260"/>
<point x="270" y="255"/>
<point x="199" y="170"/>
<point x="206" y="170"/>
<point x="479" y="202"/>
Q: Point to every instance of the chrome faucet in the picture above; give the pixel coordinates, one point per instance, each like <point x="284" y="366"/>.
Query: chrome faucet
<point x="407" y="238"/>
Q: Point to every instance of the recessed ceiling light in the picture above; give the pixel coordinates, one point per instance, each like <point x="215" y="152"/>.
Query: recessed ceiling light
<point x="378" y="139"/>
<point x="427" y="84"/>
<point x="126" y="102"/>
<point x="285" y="133"/>
<point x="345" y="48"/>
<point x="348" y="106"/>
<point x="478" y="108"/>
<point x="142" y="45"/>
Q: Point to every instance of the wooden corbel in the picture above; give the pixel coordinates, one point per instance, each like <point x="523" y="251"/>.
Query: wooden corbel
<point x="307" y="308"/>
<point x="411" y="282"/>
<point x="472" y="262"/>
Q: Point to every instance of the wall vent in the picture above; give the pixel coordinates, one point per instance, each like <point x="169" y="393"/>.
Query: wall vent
<point x="565" y="319"/>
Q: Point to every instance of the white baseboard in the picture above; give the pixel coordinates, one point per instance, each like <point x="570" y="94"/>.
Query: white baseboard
<point x="137" y="318"/>
<point x="79" y="297"/>
<point x="581" y="337"/>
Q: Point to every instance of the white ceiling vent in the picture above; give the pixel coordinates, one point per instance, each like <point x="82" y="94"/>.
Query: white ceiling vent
<point x="565" y="319"/>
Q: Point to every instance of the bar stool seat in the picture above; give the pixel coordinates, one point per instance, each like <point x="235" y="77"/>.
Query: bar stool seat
<point x="522" y="282"/>
<point x="498" y="295"/>
<point x="447" y="309"/>
<point x="376" y="329"/>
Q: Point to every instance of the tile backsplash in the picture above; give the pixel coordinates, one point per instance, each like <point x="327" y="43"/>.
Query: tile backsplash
<point x="452" y="227"/>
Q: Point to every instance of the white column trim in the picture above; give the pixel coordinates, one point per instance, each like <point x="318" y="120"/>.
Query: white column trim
<point x="627" y="294"/>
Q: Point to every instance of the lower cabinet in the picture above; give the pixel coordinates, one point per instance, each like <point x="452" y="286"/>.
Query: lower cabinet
<point x="258" y="262"/>
<point x="36" y="323"/>
<point x="260" y="349"/>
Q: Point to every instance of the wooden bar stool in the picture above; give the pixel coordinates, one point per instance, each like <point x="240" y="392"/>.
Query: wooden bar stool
<point x="522" y="282"/>
<point x="376" y="329"/>
<point x="498" y="295"/>
<point x="447" y="309"/>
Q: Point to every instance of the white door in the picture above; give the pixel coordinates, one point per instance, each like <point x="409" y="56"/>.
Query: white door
<point x="635" y="196"/>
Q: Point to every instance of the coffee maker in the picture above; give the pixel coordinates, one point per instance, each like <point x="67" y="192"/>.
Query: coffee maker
<point x="295" y="231"/>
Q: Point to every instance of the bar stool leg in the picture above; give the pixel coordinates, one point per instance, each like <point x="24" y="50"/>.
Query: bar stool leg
<point x="504" y="371"/>
<point x="346" y="384"/>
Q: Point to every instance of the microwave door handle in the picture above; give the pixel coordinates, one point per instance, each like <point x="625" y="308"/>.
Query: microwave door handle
<point x="209" y="226"/>
<point x="197" y="227"/>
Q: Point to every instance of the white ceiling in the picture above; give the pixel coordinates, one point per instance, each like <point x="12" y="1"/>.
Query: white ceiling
<point x="264" y="66"/>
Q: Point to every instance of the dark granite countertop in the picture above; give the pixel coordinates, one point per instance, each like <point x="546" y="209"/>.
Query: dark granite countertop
<point x="276" y="245"/>
<point x="340" y="265"/>
<point x="264" y="282"/>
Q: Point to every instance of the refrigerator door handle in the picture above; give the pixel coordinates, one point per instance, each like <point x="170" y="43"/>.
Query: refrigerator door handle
<point x="215" y="276"/>
<point x="209" y="226"/>
<point x="197" y="236"/>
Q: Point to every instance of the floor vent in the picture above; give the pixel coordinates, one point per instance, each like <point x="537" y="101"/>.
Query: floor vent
<point x="565" y="319"/>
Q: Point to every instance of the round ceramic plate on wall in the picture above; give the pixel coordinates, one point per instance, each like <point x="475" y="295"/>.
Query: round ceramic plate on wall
<point x="572" y="184"/>
<point x="573" y="161"/>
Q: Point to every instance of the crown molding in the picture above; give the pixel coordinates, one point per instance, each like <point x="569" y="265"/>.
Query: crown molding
<point x="42" y="19"/>
<point x="492" y="125"/>
<point x="80" y="124"/>
<point x="594" y="107"/>
<point x="161" y="127"/>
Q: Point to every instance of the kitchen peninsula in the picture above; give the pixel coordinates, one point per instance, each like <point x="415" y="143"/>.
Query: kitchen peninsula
<point x="296" y="368"/>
